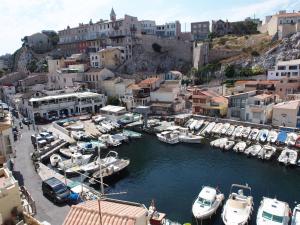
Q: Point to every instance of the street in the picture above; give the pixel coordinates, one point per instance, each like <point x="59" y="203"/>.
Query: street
<point x="25" y="173"/>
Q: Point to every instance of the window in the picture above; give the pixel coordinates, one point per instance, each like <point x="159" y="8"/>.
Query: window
<point x="293" y="67"/>
<point x="295" y="73"/>
<point x="277" y="74"/>
<point x="281" y="67"/>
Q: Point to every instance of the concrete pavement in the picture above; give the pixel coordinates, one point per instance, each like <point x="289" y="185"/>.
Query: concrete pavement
<point x="25" y="173"/>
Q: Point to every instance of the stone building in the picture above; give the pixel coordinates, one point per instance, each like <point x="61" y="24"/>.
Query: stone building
<point x="200" y="30"/>
<point x="172" y="29"/>
<point x="220" y="27"/>
<point x="39" y="42"/>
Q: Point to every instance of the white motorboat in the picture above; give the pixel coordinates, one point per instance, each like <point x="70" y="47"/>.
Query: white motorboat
<point x="102" y="129"/>
<point x="245" y="132"/>
<point x="189" y="122"/>
<point x="266" y="152"/>
<point x="69" y="152"/>
<point x="288" y="157"/>
<point x="238" y="208"/>
<point x="291" y="139"/>
<point x="272" y="136"/>
<point x="90" y="167"/>
<point x="98" y="118"/>
<point x="217" y="128"/>
<point x="187" y="137"/>
<point x="240" y="146"/>
<point x="207" y="203"/>
<point x="225" y="128"/>
<point x="112" y="166"/>
<point x="230" y="130"/>
<point x="263" y="135"/>
<point x="228" y="145"/>
<point x="168" y="137"/>
<point x="253" y="135"/>
<point x="193" y="124"/>
<point x="208" y="128"/>
<point x="272" y="211"/>
<point x="218" y="142"/>
<point x="296" y="215"/>
<point x="199" y="124"/>
<point x="238" y="131"/>
<point x="55" y="159"/>
<point x="79" y="135"/>
<point x="253" y="150"/>
<point x="109" y="141"/>
<point x="77" y="160"/>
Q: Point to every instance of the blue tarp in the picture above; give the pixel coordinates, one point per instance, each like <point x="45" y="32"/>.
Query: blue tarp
<point x="282" y="136"/>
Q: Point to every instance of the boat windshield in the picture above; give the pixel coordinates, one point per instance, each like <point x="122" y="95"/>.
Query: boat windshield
<point x="269" y="216"/>
<point x="204" y="202"/>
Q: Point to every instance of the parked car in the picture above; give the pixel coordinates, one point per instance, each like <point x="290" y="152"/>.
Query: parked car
<point x="56" y="190"/>
<point x="26" y="121"/>
<point x="38" y="140"/>
<point x="48" y="136"/>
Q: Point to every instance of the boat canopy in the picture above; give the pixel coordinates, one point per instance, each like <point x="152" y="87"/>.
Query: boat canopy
<point x="282" y="136"/>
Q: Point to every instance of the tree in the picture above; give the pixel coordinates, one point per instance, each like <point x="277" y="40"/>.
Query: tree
<point x="229" y="71"/>
<point x="112" y="100"/>
<point x="31" y="66"/>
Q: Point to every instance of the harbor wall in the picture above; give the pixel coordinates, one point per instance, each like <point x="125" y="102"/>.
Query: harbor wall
<point x="61" y="129"/>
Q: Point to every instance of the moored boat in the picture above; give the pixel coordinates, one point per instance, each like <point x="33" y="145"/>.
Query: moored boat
<point x="77" y="160"/>
<point x="225" y="128"/>
<point x="296" y="215"/>
<point x="253" y="135"/>
<point x="291" y="139"/>
<point x="168" y="137"/>
<point x="238" y="131"/>
<point x="288" y="157"/>
<point x="263" y="135"/>
<point x="230" y="130"/>
<point x="266" y="152"/>
<point x="272" y="136"/>
<point x="238" y="207"/>
<point x="240" y="146"/>
<point x="245" y="132"/>
<point x="207" y="203"/>
<point x="217" y="128"/>
<point x="273" y="211"/>
<point x="252" y="150"/>
<point x="55" y="159"/>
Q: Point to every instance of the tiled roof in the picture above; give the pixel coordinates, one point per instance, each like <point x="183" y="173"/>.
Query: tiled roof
<point x="112" y="213"/>
<point x="220" y="99"/>
<point x="149" y="80"/>
<point x="288" y="15"/>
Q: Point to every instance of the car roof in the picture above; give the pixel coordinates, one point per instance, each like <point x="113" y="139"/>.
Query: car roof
<point x="53" y="181"/>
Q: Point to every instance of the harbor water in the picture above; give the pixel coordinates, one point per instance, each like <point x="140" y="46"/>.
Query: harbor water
<point x="173" y="175"/>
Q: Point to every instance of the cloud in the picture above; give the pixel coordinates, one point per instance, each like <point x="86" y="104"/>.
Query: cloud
<point x="24" y="17"/>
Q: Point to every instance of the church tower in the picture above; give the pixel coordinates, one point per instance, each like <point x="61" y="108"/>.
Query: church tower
<point x="113" y="15"/>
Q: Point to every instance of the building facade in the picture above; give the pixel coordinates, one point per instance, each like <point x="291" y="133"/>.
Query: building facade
<point x="208" y="103"/>
<point x="200" y="30"/>
<point x="7" y="150"/>
<point x="172" y="29"/>
<point x="56" y="106"/>
<point x="259" y="108"/>
<point x="148" y="27"/>
<point x="287" y="114"/>
<point x="285" y="69"/>
<point x="221" y="28"/>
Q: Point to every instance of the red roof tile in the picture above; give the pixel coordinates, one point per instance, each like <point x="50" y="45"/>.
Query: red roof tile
<point x="113" y="213"/>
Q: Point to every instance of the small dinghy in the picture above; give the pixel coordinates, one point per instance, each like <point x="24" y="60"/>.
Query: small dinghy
<point x="238" y="131"/>
<point x="272" y="136"/>
<point x="253" y="135"/>
<point x="253" y="150"/>
<point x="225" y="128"/>
<point x="291" y="139"/>
<point x="69" y="152"/>
<point x="55" y="159"/>
<point x="296" y="215"/>
<point x="230" y="130"/>
<point x="263" y="135"/>
<point x="288" y="157"/>
<point x="245" y="132"/>
<point x="228" y="145"/>
<point x="218" y="142"/>
<point x="207" y="203"/>
<point x="240" y="146"/>
<point x="266" y="152"/>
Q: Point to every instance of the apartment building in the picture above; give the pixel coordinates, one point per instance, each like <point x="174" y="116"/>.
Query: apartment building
<point x="113" y="32"/>
<point x="287" y="114"/>
<point x="287" y="86"/>
<point x="55" y="106"/>
<point x="148" y="27"/>
<point x="237" y="105"/>
<point x="200" y="30"/>
<point x="208" y="103"/>
<point x="259" y="108"/>
<point x="283" y="24"/>
<point x="7" y="150"/>
<point x="171" y="29"/>
<point x="285" y="69"/>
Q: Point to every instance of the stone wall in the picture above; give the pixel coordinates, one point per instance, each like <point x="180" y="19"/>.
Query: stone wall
<point x="219" y="54"/>
<point x="174" y="47"/>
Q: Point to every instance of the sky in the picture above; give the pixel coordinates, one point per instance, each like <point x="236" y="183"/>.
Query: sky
<point x="19" y="18"/>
